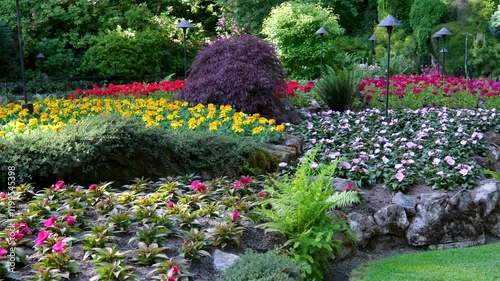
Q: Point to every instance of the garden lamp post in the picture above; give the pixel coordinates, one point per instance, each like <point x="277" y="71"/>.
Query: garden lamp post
<point x="184" y="24"/>
<point x="444" y="32"/>
<point x="437" y="36"/>
<point x="390" y="22"/>
<point x="322" y="31"/>
<point x="372" y="40"/>
<point x="27" y="105"/>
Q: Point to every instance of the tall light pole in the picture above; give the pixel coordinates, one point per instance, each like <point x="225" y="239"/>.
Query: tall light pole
<point x="21" y="58"/>
<point x="322" y="31"/>
<point x="184" y="24"/>
<point x="372" y="40"/>
<point x="390" y="22"/>
<point x="444" y="32"/>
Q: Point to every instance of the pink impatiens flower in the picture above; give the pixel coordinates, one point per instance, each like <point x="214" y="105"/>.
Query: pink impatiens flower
<point x="59" y="185"/>
<point x="70" y="220"/>
<point x="42" y="236"/>
<point x="245" y="180"/>
<point x="348" y="186"/>
<point x="23" y="228"/>
<point x="3" y="195"/>
<point x="237" y="185"/>
<point x="170" y="204"/>
<point x="400" y="176"/>
<point x="59" y="247"/>
<point x="198" y="186"/>
<point x="3" y="252"/>
<point x="16" y="235"/>
<point x="236" y="215"/>
<point x="92" y="186"/>
<point x="50" y="222"/>
<point x="262" y="194"/>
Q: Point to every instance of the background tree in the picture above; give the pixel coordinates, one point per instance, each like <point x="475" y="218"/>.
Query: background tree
<point x="494" y="23"/>
<point x="292" y="26"/>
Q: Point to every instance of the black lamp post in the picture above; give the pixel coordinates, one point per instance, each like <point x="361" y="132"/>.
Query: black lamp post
<point x="21" y="58"/>
<point x="444" y="32"/>
<point x="322" y="31"/>
<point x="372" y="40"/>
<point x="184" y="24"/>
<point x="390" y="22"/>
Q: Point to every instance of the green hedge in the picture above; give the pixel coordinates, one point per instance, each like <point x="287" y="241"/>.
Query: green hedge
<point x="113" y="148"/>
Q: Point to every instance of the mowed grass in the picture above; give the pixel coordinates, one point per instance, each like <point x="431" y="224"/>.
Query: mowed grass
<point x="481" y="263"/>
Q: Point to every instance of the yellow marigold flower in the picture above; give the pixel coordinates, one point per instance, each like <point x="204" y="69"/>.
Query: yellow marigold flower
<point x="44" y="117"/>
<point x="280" y="128"/>
<point x="192" y="124"/>
<point x="159" y="118"/>
<point x="20" y="126"/>
<point x="72" y="120"/>
<point x="257" y="130"/>
<point x="2" y="134"/>
<point x="237" y="129"/>
<point x="214" y="126"/>
<point x="58" y="128"/>
<point x="33" y="122"/>
<point x="271" y="121"/>
<point x="177" y="124"/>
<point x="23" y="113"/>
<point x="201" y="120"/>
<point x="263" y="120"/>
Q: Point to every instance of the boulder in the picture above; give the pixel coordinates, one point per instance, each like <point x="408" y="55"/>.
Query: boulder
<point x="223" y="260"/>
<point x="392" y="219"/>
<point x="364" y="226"/>
<point x="444" y="222"/>
<point x="407" y="202"/>
<point x="487" y="198"/>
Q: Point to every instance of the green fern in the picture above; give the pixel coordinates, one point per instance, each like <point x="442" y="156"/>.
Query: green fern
<point x="297" y="208"/>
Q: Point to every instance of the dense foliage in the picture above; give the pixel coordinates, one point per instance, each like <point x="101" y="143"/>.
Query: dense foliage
<point x="494" y="23"/>
<point x="336" y="89"/>
<point x="424" y="15"/>
<point x="244" y="72"/>
<point x="292" y="26"/>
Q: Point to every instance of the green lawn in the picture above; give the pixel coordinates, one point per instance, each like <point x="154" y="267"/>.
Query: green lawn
<point x="479" y="263"/>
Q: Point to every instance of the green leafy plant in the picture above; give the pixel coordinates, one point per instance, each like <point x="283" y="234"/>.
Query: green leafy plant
<point x="193" y="244"/>
<point x="297" y="208"/>
<point x="226" y="233"/>
<point x="336" y="89"/>
<point x="151" y="233"/>
<point x="150" y="254"/>
<point x="114" y="271"/>
<point x="267" y="266"/>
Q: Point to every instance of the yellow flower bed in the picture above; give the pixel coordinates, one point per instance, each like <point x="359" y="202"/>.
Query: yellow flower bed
<point x="54" y="114"/>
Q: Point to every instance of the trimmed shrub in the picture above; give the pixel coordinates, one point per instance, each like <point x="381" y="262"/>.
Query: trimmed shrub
<point x="336" y="89"/>
<point x="114" y="148"/>
<point x="494" y="23"/>
<point x="268" y="266"/>
<point x="244" y="72"/>
<point x="125" y="52"/>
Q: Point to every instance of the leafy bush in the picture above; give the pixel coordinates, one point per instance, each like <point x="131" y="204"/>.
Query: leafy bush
<point x="268" y="266"/>
<point x="485" y="54"/>
<point x="292" y="25"/>
<point x="6" y="50"/>
<point x="117" y="148"/>
<point x="244" y="72"/>
<point x="297" y="208"/>
<point x="125" y="52"/>
<point x="336" y="89"/>
<point x="424" y="15"/>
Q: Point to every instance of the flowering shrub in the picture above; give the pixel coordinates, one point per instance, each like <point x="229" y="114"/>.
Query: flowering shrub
<point x="429" y="143"/>
<point x="134" y="89"/>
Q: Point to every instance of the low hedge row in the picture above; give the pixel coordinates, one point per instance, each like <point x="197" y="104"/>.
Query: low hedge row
<point x="114" y="148"/>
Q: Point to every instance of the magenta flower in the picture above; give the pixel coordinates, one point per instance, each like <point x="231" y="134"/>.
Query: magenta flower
<point x="3" y="195"/>
<point x="23" y="228"/>
<point x="50" y="222"/>
<point x="245" y="180"/>
<point x="236" y="215"/>
<point x="170" y="204"/>
<point x="42" y="236"/>
<point x="348" y="186"/>
<point x="174" y="270"/>
<point x="16" y="235"/>
<point x="92" y="187"/>
<point x="59" y="185"/>
<point x="59" y="247"/>
<point x="262" y="194"/>
<point x="70" y="220"/>
<point x="237" y="185"/>
<point x="198" y="186"/>
<point x="3" y="252"/>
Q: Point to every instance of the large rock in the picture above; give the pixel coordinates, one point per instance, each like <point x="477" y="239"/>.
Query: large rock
<point x="364" y="226"/>
<point x="487" y="198"/>
<point x="407" y="202"/>
<point x="223" y="260"/>
<point x="392" y="220"/>
<point x="443" y="222"/>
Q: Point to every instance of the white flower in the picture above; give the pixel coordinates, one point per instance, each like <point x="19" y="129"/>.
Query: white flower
<point x="282" y="164"/>
<point x="314" y="165"/>
<point x="449" y="160"/>
<point x="385" y="160"/>
<point x="398" y="166"/>
<point x="400" y="176"/>
<point x="464" y="172"/>
<point x="436" y="161"/>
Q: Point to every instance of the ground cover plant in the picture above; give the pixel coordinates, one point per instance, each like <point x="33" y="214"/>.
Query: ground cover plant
<point x="476" y="263"/>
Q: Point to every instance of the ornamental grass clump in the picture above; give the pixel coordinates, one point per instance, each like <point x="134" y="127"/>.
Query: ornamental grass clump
<point x="336" y="89"/>
<point x="244" y="72"/>
<point x="297" y="208"/>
